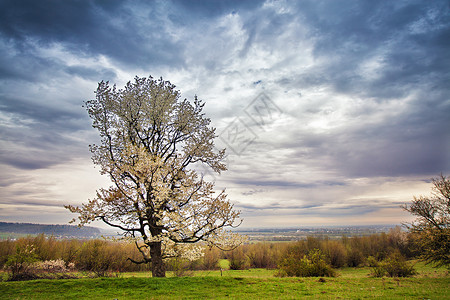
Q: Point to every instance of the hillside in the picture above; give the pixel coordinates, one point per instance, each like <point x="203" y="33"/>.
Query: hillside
<point x="55" y="230"/>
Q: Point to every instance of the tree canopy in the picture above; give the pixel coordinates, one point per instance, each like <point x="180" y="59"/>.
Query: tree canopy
<point x="432" y="226"/>
<point x="151" y="143"/>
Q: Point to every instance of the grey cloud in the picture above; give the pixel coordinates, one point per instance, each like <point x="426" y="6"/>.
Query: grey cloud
<point x="322" y="209"/>
<point x="23" y="64"/>
<point x="253" y="192"/>
<point x="266" y="27"/>
<point x="91" y="73"/>
<point x="349" y="33"/>
<point x="40" y="156"/>
<point x="277" y="206"/>
<point x="195" y="9"/>
<point x="8" y="178"/>
<point x="41" y="112"/>
<point x="414" y="144"/>
<point x="95" y="27"/>
<point x="261" y="181"/>
<point x="27" y="161"/>
<point x="32" y="203"/>
<point x="373" y="53"/>
<point x="44" y="134"/>
<point x="410" y="41"/>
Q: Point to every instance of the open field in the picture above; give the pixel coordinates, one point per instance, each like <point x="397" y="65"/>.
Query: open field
<point x="14" y="235"/>
<point x="352" y="283"/>
<point x="298" y="234"/>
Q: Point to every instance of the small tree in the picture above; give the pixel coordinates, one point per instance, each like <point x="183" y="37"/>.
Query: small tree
<point x="150" y="145"/>
<point x="431" y="229"/>
<point x="20" y="263"/>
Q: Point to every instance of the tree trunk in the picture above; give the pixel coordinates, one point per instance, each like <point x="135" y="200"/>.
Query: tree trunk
<point x="158" y="269"/>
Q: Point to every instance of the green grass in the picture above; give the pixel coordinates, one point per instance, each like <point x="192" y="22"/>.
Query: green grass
<point x="13" y="235"/>
<point x="246" y="284"/>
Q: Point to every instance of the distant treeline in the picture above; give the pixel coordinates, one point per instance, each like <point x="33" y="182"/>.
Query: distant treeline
<point x="101" y="256"/>
<point x="56" y="230"/>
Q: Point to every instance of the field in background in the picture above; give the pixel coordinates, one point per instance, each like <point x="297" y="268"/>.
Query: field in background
<point x="19" y="230"/>
<point x="298" y="234"/>
<point x="351" y="283"/>
<point x="14" y="236"/>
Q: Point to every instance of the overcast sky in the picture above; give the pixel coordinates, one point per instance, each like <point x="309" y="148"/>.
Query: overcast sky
<point x="332" y="112"/>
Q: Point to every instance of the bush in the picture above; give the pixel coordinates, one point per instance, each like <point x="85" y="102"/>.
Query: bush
<point x="20" y="263"/>
<point x="372" y="262"/>
<point x="238" y="260"/>
<point x="393" y="266"/>
<point x="7" y="248"/>
<point x="336" y="253"/>
<point x="53" y="266"/>
<point x="181" y="267"/>
<point x="93" y="256"/>
<point x="210" y="259"/>
<point x="354" y="257"/>
<point x="312" y="264"/>
<point x="263" y="255"/>
<point x="45" y="247"/>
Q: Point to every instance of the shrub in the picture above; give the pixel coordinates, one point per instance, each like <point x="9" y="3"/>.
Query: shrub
<point x="263" y="255"/>
<point x="378" y="270"/>
<point x="312" y="264"/>
<point x="354" y="257"/>
<point x="181" y="267"/>
<point x="336" y="253"/>
<point x="7" y="248"/>
<point x="393" y="266"/>
<point x="238" y="260"/>
<point x="45" y="247"/>
<point x="210" y="259"/>
<point x="53" y="266"/>
<point x="20" y="263"/>
<point x="68" y="250"/>
<point x="93" y="256"/>
<point x="371" y="262"/>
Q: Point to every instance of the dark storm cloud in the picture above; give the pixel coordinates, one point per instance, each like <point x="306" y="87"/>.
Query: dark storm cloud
<point x="22" y="64"/>
<point x="33" y="76"/>
<point x="416" y="142"/>
<point x="265" y="27"/>
<point x="39" y="134"/>
<point x="411" y="38"/>
<point x="109" y="28"/>
<point x="26" y="109"/>
<point x="381" y="52"/>
<point x="133" y="33"/>
<point x="210" y="9"/>
<point x="91" y="73"/>
<point x="382" y="67"/>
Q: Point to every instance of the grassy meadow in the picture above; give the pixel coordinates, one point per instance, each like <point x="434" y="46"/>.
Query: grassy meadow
<point x="351" y="283"/>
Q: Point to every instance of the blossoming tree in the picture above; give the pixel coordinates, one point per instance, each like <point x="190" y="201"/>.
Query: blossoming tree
<point x="151" y="142"/>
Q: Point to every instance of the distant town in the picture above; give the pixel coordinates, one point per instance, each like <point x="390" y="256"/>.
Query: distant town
<point x="295" y="234"/>
<point x="17" y="230"/>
